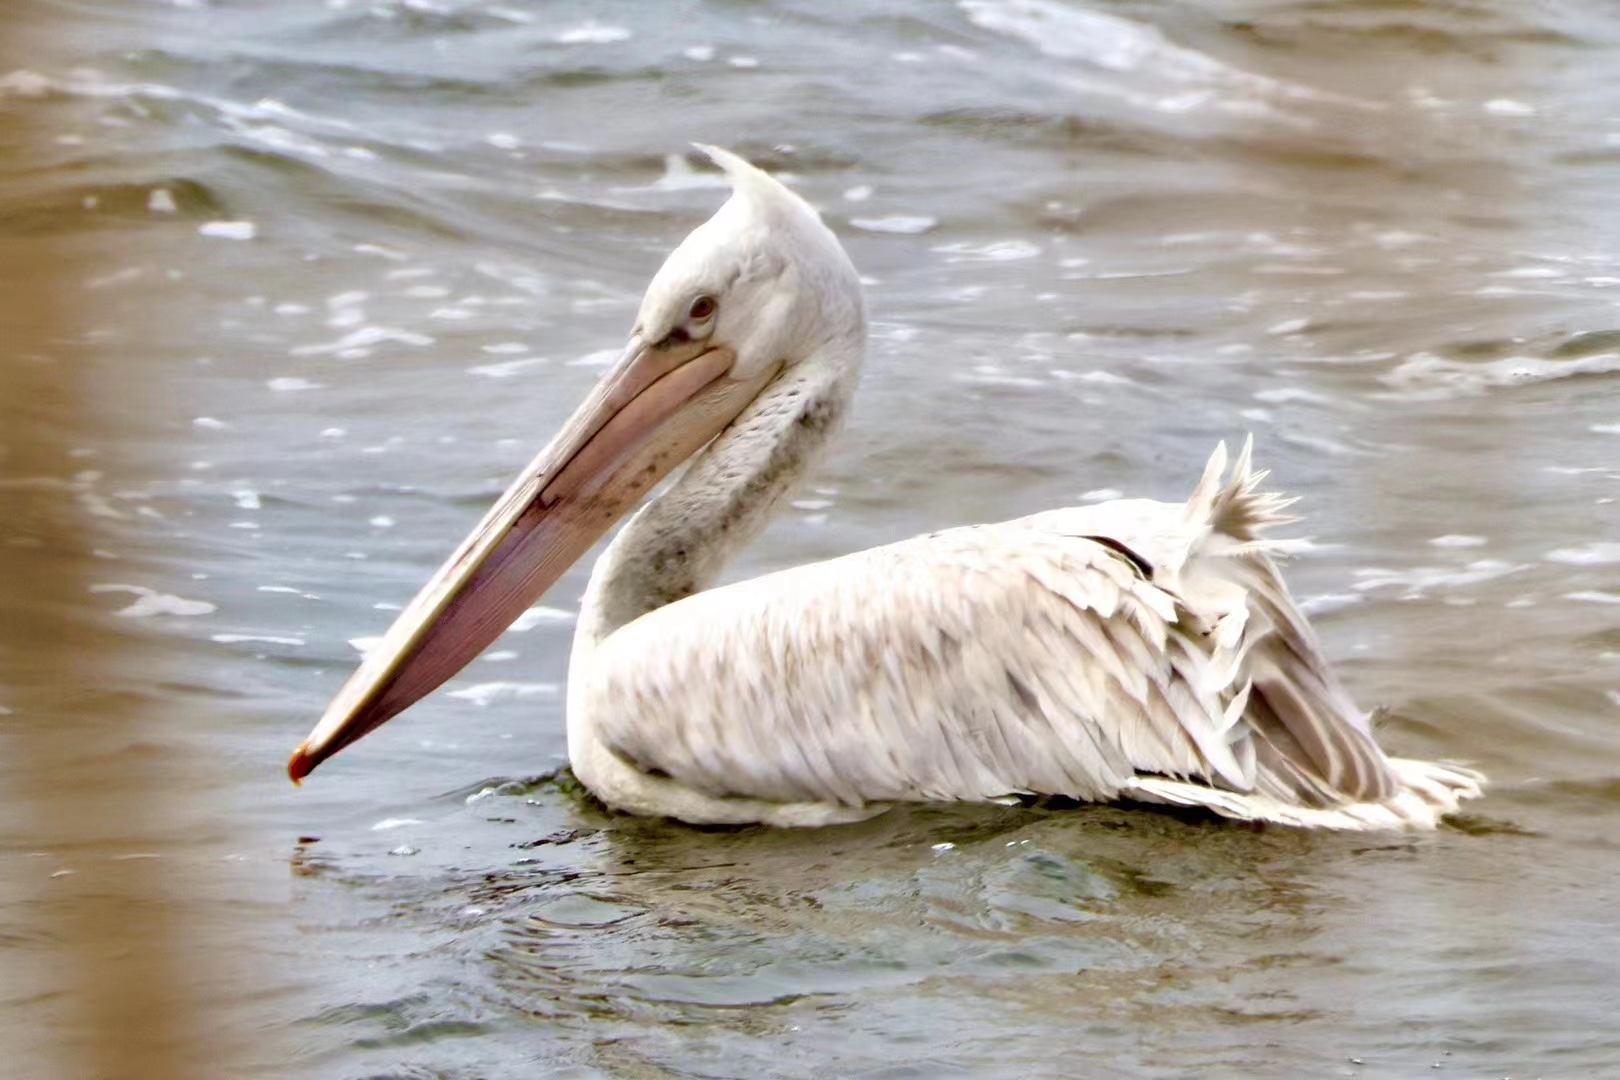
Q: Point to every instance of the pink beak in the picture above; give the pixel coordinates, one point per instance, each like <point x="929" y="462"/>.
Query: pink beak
<point x="658" y="406"/>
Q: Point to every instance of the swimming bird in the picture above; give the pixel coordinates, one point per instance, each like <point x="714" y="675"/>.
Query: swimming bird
<point x="1132" y="650"/>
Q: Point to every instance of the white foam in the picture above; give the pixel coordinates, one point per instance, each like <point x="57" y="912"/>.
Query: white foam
<point x="288" y="383"/>
<point x="599" y="358"/>
<point x="1420" y="579"/>
<point x="364" y="645"/>
<point x="1597" y="553"/>
<point x="592" y="33"/>
<point x="25" y="83"/>
<point x="484" y="694"/>
<point x="395" y="823"/>
<point x="1283" y="394"/>
<point x="149" y="602"/>
<point x="229" y="230"/>
<point x="1530" y="272"/>
<point x="1457" y="540"/>
<point x="992" y="375"/>
<point x="1195" y="80"/>
<point x="1427" y="376"/>
<point x="364" y="337"/>
<point x="506" y="369"/>
<point x="1316" y="606"/>
<point x="512" y="15"/>
<point x="908" y="224"/>
<point x="996" y="251"/>
<point x="1096" y="376"/>
<point x="265" y="639"/>
<point x="1592" y="596"/>
<point x="540" y="614"/>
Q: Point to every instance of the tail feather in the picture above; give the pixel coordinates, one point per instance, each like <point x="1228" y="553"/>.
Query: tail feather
<point x="1237" y="509"/>
<point x="1304" y="752"/>
<point x="1316" y="762"/>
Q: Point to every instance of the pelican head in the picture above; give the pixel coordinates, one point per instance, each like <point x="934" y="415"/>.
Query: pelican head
<point x="758" y="288"/>
<point x="763" y="277"/>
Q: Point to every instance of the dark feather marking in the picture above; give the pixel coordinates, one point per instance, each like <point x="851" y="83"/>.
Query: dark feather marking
<point x="1143" y="567"/>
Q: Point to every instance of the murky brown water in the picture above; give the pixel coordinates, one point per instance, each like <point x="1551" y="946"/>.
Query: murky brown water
<point x="292" y="288"/>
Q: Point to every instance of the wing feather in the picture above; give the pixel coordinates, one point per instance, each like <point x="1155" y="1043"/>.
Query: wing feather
<point x="970" y="664"/>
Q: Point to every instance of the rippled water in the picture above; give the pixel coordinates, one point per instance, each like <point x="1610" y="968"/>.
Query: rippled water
<point x="334" y="270"/>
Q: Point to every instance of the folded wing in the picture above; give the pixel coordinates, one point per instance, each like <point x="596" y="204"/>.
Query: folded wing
<point x="1149" y="651"/>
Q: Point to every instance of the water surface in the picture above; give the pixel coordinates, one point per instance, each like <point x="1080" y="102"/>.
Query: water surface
<point x="331" y="272"/>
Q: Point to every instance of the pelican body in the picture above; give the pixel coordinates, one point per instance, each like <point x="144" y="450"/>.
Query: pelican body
<point x="1131" y="650"/>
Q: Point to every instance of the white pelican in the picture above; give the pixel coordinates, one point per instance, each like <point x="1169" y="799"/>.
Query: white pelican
<point x="1133" y="650"/>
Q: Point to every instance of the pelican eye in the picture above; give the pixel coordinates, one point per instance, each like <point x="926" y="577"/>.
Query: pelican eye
<point x="701" y="308"/>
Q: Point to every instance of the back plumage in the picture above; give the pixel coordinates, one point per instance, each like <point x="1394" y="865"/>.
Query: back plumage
<point x="1129" y="650"/>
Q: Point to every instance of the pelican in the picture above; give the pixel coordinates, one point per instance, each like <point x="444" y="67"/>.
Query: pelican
<point x="1134" y="650"/>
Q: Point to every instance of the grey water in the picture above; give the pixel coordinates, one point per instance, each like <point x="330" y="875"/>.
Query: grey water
<point x="327" y="272"/>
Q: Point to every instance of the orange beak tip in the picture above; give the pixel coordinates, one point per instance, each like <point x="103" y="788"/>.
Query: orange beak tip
<point x="299" y="766"/>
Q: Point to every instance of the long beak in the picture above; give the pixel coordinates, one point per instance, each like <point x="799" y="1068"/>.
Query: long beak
<point x="657" y="406"/>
